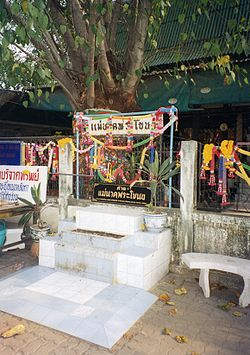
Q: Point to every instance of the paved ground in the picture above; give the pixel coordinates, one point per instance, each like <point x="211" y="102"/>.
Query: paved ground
<point x="208" y="329"/>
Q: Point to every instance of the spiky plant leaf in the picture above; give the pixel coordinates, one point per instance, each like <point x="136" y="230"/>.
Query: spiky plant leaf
<point x="25" y="218"/>
<point x="36" y="195"/>
<point x="172" y="173"/>
<point x="164" y="165"/>
<point x="26" y="201"/>
<point x="168" y="168"/>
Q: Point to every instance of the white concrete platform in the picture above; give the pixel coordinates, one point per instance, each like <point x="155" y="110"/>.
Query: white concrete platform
<point x="118" y="220"/>
<point x="107" y="244"/>
<point x="139" y="260"/>
<point x="91" y="310"/>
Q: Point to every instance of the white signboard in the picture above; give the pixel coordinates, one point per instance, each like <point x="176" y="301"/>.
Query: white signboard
<point x="118" y="126"/>
<point x="16" y="181"/>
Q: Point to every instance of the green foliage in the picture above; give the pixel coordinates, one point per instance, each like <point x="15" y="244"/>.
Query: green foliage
<point x="43" y="43"/>
<point x="36" y="207"/>
<point x="158" y="174"/>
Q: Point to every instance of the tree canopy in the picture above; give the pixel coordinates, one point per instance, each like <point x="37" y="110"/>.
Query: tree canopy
<point x="74" y="44"/>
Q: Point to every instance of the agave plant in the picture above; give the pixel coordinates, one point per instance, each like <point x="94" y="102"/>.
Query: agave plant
<point x="158" y="175"/>
<point x="36" y="208"/>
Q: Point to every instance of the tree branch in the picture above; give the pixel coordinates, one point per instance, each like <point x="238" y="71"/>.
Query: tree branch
<point x="105" y="72"/>
<point x="58" y="18"/>
<point x="112" y="29"/>
<point x="77" y="18"/>
<point x="91" y="56"/>
<point x="136" y="52"/>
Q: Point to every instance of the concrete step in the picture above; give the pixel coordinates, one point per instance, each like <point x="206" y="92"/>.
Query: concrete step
<point x="91" y="262"/>
<point x="115" y="220"/>
<point x="91" y="239"/>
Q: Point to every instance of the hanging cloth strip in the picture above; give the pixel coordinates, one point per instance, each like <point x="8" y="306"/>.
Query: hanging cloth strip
<point x="220" y="176"/>
<point x="224" y="201"/>
<point x="212" y="181"/>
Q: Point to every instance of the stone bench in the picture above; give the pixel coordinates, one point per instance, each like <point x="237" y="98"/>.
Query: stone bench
<point x="234" y="265"/>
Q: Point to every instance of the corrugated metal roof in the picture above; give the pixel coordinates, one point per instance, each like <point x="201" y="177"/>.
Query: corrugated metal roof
<point x="207" y="28"/>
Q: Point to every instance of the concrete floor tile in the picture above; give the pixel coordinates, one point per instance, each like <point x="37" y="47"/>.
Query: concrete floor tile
<point x="90" y="313"/>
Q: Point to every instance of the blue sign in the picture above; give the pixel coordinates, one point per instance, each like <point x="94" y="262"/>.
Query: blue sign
<point x="10" y="153"/>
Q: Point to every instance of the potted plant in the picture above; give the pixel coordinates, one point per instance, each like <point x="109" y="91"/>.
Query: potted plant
<point x="39" y="228"/>
<point x="157" y="175"/>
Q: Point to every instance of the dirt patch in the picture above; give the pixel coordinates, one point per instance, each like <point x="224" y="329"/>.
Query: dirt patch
<point x="99" y="234"/>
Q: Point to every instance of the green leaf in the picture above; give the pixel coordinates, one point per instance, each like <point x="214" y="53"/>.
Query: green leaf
<point x="207" y="45"/>
<point x="5" y="43"/>
<point x="232" y="24"/>
<point x="40" y="72"/>
<point x="183" y="36"/>
<point x="167" y="84"/>
<point x="62" y="63"/>
<point x="44" y="20"/>
<point x="118" y="77"/>
<point x="86" y="69"/>
<point x="145" y="95"/>
<point x="33" y="11"/>
<point x="154" y="43"/>
<point x="25" y="218"/>
<point x="216" y="51"/>
<point x="35" y="193"/>
<point x="164" y="165"/>
<point x="24" y="5"/>
<point x="31" y="96"/>
<point x="47" y="93"/>
<point x="181" y="18"/>
<point x="233" y="76"/>
<point x="246" y="80"/>
<point x="25" y="103"/>
<point x="15" y="8"/>
<point x="138" y="73"/>
<point x="15" y="66"/>
<point x="63" y="29"/>
<point x="39" y="92"/>
<point x="27" y="202"/>
<point x="47" y="72"/>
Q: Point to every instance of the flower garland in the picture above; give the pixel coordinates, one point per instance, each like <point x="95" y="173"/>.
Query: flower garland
<point x="228" y="160"/>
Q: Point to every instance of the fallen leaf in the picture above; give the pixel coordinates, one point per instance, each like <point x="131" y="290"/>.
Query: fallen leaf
<point x="180" y="291"/>
<point x="232" y="304"/>
<point x="172" y="312"/>
<point x="194" y="353"/>
<point x="18" y="329"/>
<point x="18" y="266"/>
<point x="171" y="282"/>
<point x="181" y="339"/>
<point x="237" y="314"/>
<point x="223" y="307"/>
<point x="167" y="331"/>
<point x="214" y="286"/>
<point x="226" y="307"/>
<point x="237" y="293"/>
<point x="164" y="297"/>
<point x="170" y="303"/>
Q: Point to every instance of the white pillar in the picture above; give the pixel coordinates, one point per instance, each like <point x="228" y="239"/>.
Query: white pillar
<point x="65" y="179"/>
<point x="188" y="188"/>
